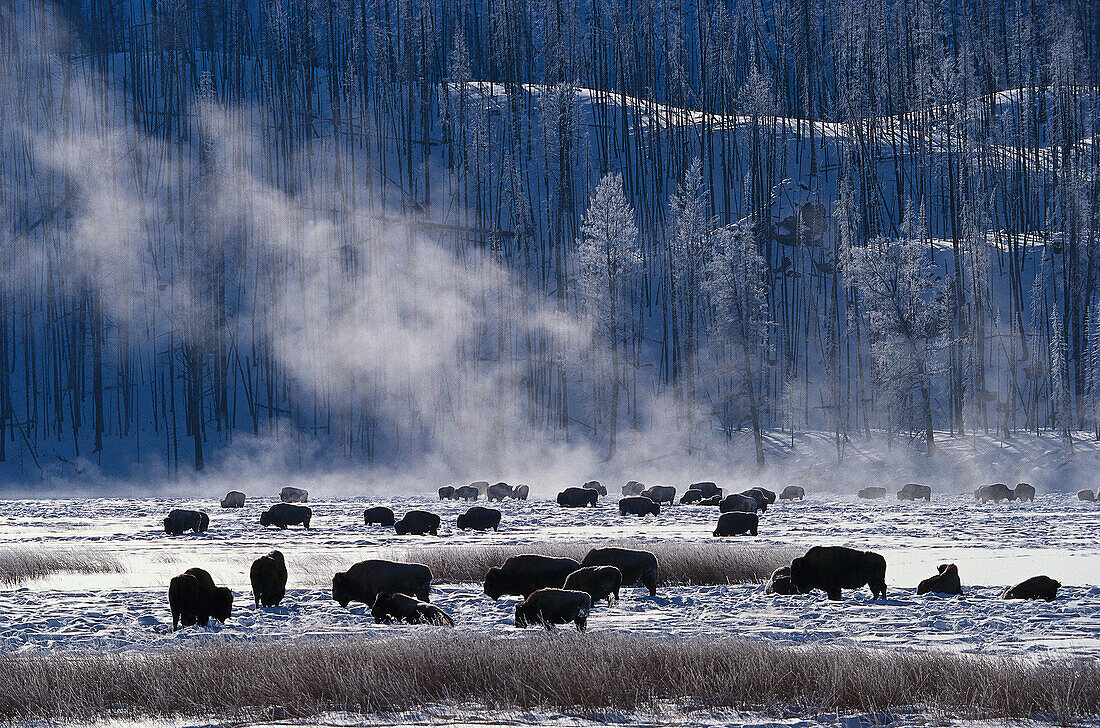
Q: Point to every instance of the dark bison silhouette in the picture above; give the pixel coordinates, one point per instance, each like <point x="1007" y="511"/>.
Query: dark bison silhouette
<point x="1086" y="495"/>
<point x="364" y="581"/>
<point x="233" y="499"/>
<point x="792" y="492"/>
<point x="1024" y="491"/>
<point x="1037" y="587"/>
<point x="379" y="516"/>
<point x="551" y="606"/>
<point x="286" y="514"/>
<point x="707" y="488"/>
<point x="389" y="608"/>
<point x="637" y="566"/>
<point x="691" y="495"/>
<point x="660" y="494"/>
<point x="417" y="523"/>
<point x="767" y="495"/>
<point x="479" y="518"/>
<point x="498" y="492"/>
<point x="995" y="492"/>
<point x="756" y="495"/>
<point x="577" y="497"/>
<point x="180" y="520"/>
<point x="946" y="581"/>
<point x="194" y="599"/>
<point x="293" y="495"/>
<point x="780" y="582"/>
<point x="524" y="574"/>
<point x="715" y="500"/>
<point x="447" y="492"/>
<point x="268" y="577"/>
<point x="832" y="568"/>
<point x="741" y="502"/>
<point x="736" y="523"/>
<point x="638" y="505"/>
<point x="596" y="486"/>
<point x="598" y="582"/>
<point x="915" y="491"/>
<point x="520" y="492"/>
<point x="633" y="487"/>
<point x="467" y="493"/>
<point x="871" y="492"/>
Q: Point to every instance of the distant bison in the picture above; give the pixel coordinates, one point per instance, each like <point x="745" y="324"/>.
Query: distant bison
<point x="596" y="486"/>
<point x="286" y="514"/>
<point x="1037" y="587"/>
<point x="660" y="494"/>
<point x="293" y="495"/>
<point x="637" y="566"/>
<point x="598" y="582"/>
<point x="180" y="520"/>
<point x="741" y="502"/>
<point x="233" y="499"/>
<point x="763" y="493"/>
<point x="389" y="608"/>
<point x="873" y="491"/>
<point x="577" y="497"/>
<point x="945" y="582"/>
<point x="715" y="500"/>
<point x="447" y="492"/>
<point x="466" y="493"/>
<point x="268" y="577"/>
<point x="760" y="499"/>
<point x="521" y="492"/>
<point x="780" y="582"/>
<point x="498" y="492"/>
<point x="364" y="581"/>
<point x="691" y="495"/>
<point x="736" y="523"/>
<point x="638" y="505"/>
<point x="194" y="599"/>
<point x="417" y="523"/>
<point x="554" y="606"/>
<point x="832" y="568"/>
<point x="1086" y="495"/>
<point x="915" y="491"/>
<point x="707" y="488"/>
<point x="379" y="516"/>
<point x="479" y="518"/>
<point x="1024" y="492"/>
<point x="791" y="492"/>
<point x="996" y="492"/>
<point x="521" y="575"/>
<point x="633" y="487"/>
<point x="482" y="486"/>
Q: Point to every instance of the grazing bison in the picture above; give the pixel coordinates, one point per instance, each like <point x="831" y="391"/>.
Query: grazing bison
<point x="767" y="495"/>
<point x="293" y="495"/>
<point x="736" y="523"/>
<point x="792" y="492"/>
<point x="521" y="575"/>
<point x="1037" y="587"/>
<point x="233" y="499"/>
<point x="447" y="492"/>
<point x="915" y="491"/>
<point x="996" y="492"/>
<point x="498" y="492"/>
<point x="944" y="582"/>
<point x="871" y="492"/>
<point x="598" y="582"/>
<point x="832" y="568"/>
<point x="741" y="502"/>
<point x="577" y="498"/>
<point x="660" y="494"/>
<point x="1024" y="491"/>
<point x="756" y="495"/>
<point x="633" y="487"/>
<point x="379" y="516"/>
<point x="417" y="523"/>
<point x="521" y="492"/>
<point x="691" y="496"/>
<point x="268" y="577"/>
<point x="479" y="518"/>
<point x="399" y="607"/>
<point x="554" y="606"/>
<point x="596" y="486"/>
<point x="714" y="500"/>
<point x="194" y="599"/>
<point x="1086" y="495"/>
<point x="780" y="582"/>
<point x="286" y="514"/>
<point x="638" y="505"/>
<point x="637" y="566"/>
<point x="364" y="581"/>
<point x="180" y="520"/>
<point x="482" y="486"/>
<point x="707" y="488"/>
<point x="466" y="493"/>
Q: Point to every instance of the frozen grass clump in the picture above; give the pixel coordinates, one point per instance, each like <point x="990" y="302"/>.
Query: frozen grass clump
<point x="18" y="565"/>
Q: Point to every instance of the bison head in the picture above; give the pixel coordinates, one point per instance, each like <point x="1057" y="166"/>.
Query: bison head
<point x="265" y="518"/>
<point x="494" y="587"/>
<point x="521" y="616"/>
<point x="462" y="522"/>
<point x="167" y="526"/>
<point x="799" y="575"/>
<point x="221" y="604"/>
<point x="341" y="589"/>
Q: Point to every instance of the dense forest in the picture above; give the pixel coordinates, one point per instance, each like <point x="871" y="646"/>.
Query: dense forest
<point x="387" y="229"/>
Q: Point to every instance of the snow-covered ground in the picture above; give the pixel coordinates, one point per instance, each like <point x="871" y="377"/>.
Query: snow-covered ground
<point x="993" y="545"/>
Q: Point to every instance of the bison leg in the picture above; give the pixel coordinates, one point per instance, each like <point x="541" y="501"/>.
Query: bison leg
<point x="582" y="623"/>
<point x="175" y="620"/>
<point x="879" y="590"/>
<point x="649" y="581"/>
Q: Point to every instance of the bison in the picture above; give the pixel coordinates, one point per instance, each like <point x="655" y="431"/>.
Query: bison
<point x="293" y="495"/>
<point x="551" y="606"/>
<point x="447" y="492"/>
<point x="946" y="581"/>
<point x="636" y="566"/>
<point x="417" y="523"/>
<point x="915" y="491"/>
<point x="1037" y="587"/>
<point x="399" y="607"/>
<point x="598" y="582"/>
<point x="286" y="514"/>
<point x="479" y="519"/>
<point x="467" y="493"/>
<point x="638" y="505"/>
<point x="233" y="499"/>
<point x="741" y="502"/>
<point x="707" y="488"/>
<point x="691" y="495"/>
<point x="715" y="500"/>
<point x="180" y="520"/>
<point x="498" y="492"/>
<point x="596" y="486"/>
<point x="780" y="582"/>
<point x="268" y="577"/>
<point x="996" y="492"/>
<point x="759" y="497"/>
<point x="364" y="581"/>
<point x="379" y="516"/>
<point x="481" y="486"/>
<point x="577" y="498"/>
<point x="1024" y="492"/>
<point x="524" y="574"/>
<point x="762" y="493"/>
<point x="1086" y="495"/>
<point x="736" y="523"/>
<point x="633" y="487"/>
<point x="194" y="599"/>
<point x="871" y="492"/>
<point x="660" y="494"/>
<point x="791" y="492"/>
<point x="832" y="568"/>
<point x="520" y="492"/>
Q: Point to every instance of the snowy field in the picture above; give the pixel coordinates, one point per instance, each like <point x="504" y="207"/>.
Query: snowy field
<point x="993" y="545"/>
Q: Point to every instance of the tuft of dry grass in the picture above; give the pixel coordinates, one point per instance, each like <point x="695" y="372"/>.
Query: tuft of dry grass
<point x="680" y="562"/>
<point x="593" y="671"/>
<point x="18" y="565"/>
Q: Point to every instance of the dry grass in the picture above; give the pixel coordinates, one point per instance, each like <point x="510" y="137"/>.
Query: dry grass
<point x="562" y="670"/>
<point x="680" y="562"/>
<point x="18" y="565"/>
